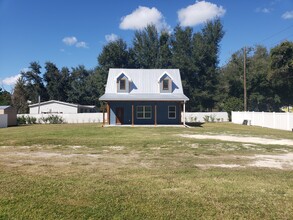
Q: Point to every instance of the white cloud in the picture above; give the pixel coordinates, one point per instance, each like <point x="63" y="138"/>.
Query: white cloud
<point x="141" y="17"/>
<point x="264" y="10"/>
<point x="199" y="13"/>
<point x="69" y="40"/>
<point x="10" y="81"/>
<point x="111" y="37"/>
<point x="81" y="44"/>
<point x="288" y="15"/>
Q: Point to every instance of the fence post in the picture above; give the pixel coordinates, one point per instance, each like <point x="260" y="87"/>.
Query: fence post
<point x="288" y="121"/>
<point x="274" y="118"/>
<point x="263" y="119"/>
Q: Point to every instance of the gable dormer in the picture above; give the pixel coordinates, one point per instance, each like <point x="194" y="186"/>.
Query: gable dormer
<point x="123" y="83"/>
<point x="165" y="83"/>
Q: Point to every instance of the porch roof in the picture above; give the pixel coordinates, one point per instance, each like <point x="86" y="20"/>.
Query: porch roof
<point x="143" y="97"/>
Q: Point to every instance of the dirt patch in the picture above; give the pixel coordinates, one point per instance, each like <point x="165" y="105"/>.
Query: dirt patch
<point x="253" y="140"/>
<point x="280" y="161"/>
<point x="117" y="147"/>
<point x="220" y="165"/>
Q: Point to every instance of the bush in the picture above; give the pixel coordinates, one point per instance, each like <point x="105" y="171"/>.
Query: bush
<point x="31" y="120"/>
<point x="206" y="118"/>
<point x="52" y="119"/>
<point x="26" y="120"/>
<point x="193" y="119"/>
<point x="233" y="104"/>
<point x="21" y="120"/>
<point x="213" y="118"/>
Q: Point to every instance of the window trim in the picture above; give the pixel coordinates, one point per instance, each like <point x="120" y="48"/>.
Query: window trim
<point x="166" y="89"/>
<point x="169" y="111"/>
<point x="144" y="111"/>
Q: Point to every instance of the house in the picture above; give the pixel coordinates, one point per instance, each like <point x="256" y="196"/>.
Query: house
<point x="58" y="107"/>
<point x="144" y="96"/>
<point x="11" y="115"/>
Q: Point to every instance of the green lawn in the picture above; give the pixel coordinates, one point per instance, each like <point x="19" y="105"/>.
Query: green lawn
<point x="84" y="171"/>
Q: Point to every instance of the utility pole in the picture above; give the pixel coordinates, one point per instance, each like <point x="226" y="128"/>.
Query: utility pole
<point x="244" y="80"/>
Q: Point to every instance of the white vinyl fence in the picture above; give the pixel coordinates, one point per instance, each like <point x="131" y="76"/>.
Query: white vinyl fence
<point x="72" y="118"/>
<point x="3" y="121"/>
<point x="98" y="117"/>
<point x="276" y="120"/>
<point x="199" y="116"/>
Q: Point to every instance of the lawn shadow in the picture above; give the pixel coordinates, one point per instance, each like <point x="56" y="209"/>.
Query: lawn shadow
<point x="195" y="124"/>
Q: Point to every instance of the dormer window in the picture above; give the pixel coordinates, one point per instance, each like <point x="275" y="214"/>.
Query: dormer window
<point x="166" y="84"/>
<point x="122" y="84"/>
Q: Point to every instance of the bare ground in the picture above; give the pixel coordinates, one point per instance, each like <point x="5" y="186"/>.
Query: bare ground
<point x="253" y="140"/>
<point x="275" y="161"/>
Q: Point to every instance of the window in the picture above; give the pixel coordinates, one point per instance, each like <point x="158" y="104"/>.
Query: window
<point x="166" y="84"/>
<point x="172" y="112"/>
<point x="122" y="84"/>
<point x="144" y="112"/>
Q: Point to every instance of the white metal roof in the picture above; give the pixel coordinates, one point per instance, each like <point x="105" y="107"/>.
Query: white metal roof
<point x="144" y="85"/>
<point x="4" y="107"/>
<point x="62" y="103"/>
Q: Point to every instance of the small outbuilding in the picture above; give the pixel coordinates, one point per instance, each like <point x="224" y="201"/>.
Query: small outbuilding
<point x="58" y="107"/>
<point x="11" y="114"/>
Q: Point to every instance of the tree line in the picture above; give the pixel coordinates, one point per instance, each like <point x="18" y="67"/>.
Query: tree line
<point x="195" y="53"/>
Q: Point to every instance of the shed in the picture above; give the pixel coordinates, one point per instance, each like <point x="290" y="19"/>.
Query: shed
<point x="11" y="114"/>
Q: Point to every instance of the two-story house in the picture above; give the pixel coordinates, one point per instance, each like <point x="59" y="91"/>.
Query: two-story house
<point x="144" y="96"/>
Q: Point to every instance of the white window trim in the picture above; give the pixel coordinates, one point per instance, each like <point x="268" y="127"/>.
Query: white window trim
<point x="143" y="112"/>
<point x="171" y="111"/>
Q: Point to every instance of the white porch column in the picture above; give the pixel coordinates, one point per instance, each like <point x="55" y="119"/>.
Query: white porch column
<point x="184" y="113"/>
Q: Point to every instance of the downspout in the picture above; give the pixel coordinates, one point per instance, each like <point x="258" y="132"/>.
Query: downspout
<point x="184" y="113"/>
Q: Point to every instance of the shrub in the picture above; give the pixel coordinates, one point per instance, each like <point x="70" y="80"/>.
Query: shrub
<point x="206" y="118"/>
<point x="213" y="118"/>
<point x="233" y="104"/>
<point x="193" y="119"/>
<point x="21" y="120"/>
<point x="54" y="119"/>
<point x="31" y="120"/>
<point x="26" y="120"/>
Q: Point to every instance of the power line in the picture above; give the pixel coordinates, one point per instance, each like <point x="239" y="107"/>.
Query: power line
<point x="275" y="34"/>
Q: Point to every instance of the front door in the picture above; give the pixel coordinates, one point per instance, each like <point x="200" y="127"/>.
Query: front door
<point x="119" y="115"/>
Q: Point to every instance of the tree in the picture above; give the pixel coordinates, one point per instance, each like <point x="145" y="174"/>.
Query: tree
<point x="260" y="91"/>
<point x="164" y="54"/>
<point x="282" y="71"/>
<point x="34" y="85"/>
<point x="146" y="47"/>
<point x="64" y="84"/>
<point x="181" y="44"/>
<point x="5" y="97"/>
<point x="79" y="88"/>
<point x="206" y="47"/>
<point x="20" y="96"/>
<point x="52" y="77"/>
<point x="114" y="55"/>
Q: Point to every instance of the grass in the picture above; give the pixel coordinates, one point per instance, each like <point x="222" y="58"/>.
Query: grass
<point x="83" y="171"/>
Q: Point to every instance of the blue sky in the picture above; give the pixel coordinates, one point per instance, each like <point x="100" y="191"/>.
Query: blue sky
<point x="73" y="32"/>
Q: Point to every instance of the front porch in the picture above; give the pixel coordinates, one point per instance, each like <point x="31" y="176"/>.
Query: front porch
<point x="144" y="113"/>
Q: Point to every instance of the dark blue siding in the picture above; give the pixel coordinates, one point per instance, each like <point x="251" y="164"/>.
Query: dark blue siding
<point x="162" y="112"/>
